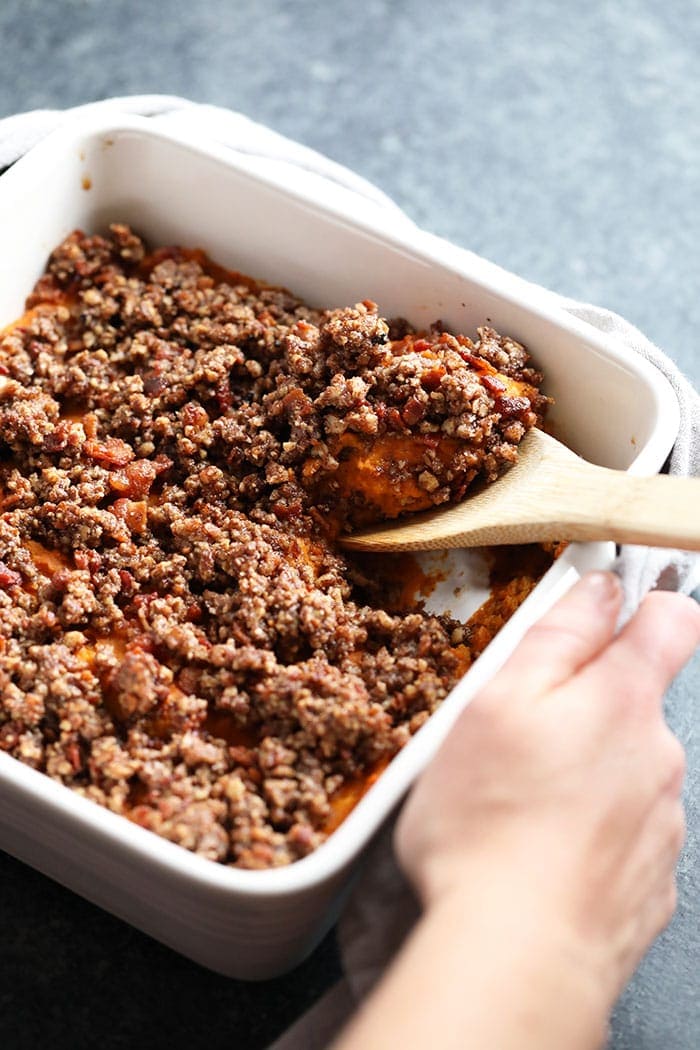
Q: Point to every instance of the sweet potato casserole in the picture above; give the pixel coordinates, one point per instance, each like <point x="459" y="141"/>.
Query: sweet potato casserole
<point x="181" y="638"/>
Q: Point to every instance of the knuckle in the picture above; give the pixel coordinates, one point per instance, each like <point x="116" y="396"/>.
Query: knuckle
<point x="489" y="696"/>
<point x="678" y="833"/>
<point x="673" y="760"/>
<point x="490" y="708"/>
<point x="669" y="903"/>
<point x="548" y="633"/>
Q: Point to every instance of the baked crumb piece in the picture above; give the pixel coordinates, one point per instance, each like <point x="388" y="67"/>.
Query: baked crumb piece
<point x="180" y="639"/>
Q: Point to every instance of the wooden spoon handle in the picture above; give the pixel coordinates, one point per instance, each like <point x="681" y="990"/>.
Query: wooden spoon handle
<point x="600" y="504"/>
<point x="586" y="502"/>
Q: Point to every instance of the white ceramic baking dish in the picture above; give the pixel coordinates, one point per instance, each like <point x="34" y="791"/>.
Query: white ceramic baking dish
<point x="299" y="231"/>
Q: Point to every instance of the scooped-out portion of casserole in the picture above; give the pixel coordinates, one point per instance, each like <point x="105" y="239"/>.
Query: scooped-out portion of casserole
<point x="181" y="638"/>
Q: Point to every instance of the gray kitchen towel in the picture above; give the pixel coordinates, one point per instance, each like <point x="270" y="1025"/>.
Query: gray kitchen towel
<point x="382" y="908"/>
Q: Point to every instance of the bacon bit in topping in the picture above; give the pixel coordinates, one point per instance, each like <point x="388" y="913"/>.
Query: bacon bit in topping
<point x="112" y="452"/>
<point x="296" y="401"/>
<point x="412" y="412"/>
<point x="286" y="511"/>
<point x="87" y="560"/>
<point x="193" y="415"/>
<point x="136" y="479"/>
<point x="513" y="406"/>
<point x="154" y="384"/>
<point x="142" y="601"/>
<point x="310" y="468"/>
<point x="431" y="380"/>
<point x="494" y="384"/>
<point x="224" y="396"/>
<point x="90" y="425"/>
<point x="8" y="577"/>
<point x="477" y="363"/>
<point x="80" y="558"/>
<point x="128" y="583"/>
<point x="143" y="643"/>
<point x="56" y="439"/>
<point x="10" y="733"/>
<point x="162" y="463"/>
<point x="242" y="756"/>
<point x="74" y="756"/>
<point x="133" y="513"/>
<point x="61" y="579"/>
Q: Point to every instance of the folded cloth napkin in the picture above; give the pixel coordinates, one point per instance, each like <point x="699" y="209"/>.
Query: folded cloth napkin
<point x="382" y="908"/>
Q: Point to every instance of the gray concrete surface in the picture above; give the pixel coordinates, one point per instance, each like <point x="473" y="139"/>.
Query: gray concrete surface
<point x="560" y="140"/>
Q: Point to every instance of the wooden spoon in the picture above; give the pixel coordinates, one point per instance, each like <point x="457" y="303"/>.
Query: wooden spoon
<point x="552" y="494"/>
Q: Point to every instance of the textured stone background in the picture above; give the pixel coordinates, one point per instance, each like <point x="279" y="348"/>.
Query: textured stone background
<point x="561" y="141"/>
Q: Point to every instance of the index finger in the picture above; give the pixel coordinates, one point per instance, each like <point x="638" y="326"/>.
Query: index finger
<point x="571" y="634"/>
<point x="651" y="649"/>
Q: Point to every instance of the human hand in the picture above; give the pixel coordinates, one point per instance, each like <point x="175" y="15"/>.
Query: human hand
<point x="556" y="795"/>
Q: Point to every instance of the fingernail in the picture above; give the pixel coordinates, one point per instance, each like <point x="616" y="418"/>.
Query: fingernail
<point x="603" y="586"/>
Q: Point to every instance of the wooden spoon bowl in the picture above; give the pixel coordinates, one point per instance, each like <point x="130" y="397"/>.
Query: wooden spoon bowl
<point x="550" y="493"/>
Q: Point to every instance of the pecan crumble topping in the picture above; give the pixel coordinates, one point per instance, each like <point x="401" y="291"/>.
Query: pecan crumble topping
<point x="181" y="640"/>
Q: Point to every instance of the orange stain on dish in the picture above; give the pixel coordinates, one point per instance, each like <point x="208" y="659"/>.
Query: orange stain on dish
<point x="346" y="798"/>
